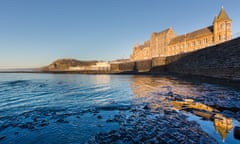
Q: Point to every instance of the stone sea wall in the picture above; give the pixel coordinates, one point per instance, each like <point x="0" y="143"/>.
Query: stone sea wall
<point x="219" y="61"/>
<point x="127" y="67"/>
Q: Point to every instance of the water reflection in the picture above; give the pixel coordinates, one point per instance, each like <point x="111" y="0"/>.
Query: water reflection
<point x="164" y="91"/>
<point x="222" y="124"/>
<point x="143" y="86"/>
<point x="103" y="79"/>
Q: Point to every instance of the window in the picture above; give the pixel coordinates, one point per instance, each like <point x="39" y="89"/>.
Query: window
<point x="224" y="37"/>
<point x="193" y="43"/>
<point x="228" y="26"/>
<point x="219" y="37"/>
<point x="206" y="40"/>
<point x="222" y="26"/>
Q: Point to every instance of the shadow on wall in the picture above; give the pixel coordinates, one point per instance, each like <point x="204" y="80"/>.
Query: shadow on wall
<point x="219" y="61"/>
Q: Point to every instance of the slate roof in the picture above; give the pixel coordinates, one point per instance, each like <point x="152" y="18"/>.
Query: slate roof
<point x="193" y="35"/>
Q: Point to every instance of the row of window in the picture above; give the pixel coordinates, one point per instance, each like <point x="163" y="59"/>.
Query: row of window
<point x="225" y="26"/>
<point x="195" y="43"/>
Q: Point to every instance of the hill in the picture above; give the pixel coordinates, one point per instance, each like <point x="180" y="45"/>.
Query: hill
<point x="64" y="64"/>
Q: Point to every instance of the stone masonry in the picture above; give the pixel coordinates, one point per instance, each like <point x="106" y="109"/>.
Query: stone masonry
<point x="167" y="43"/>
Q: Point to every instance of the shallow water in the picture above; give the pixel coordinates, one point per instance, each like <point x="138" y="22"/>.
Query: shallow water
<point x="71" y="108"/>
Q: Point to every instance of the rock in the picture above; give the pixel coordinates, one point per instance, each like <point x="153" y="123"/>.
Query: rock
<point x="99" y="117"/>
<point x="237" y="132"/>
<point x="146" y="107"/>
<point x="2" y="137"/>
<point x="44" y="123"/>
<point x="61" y="120"/>
<point x="26" y="125"/>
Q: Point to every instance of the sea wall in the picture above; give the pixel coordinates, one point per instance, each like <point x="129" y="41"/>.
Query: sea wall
<point x="126" y="67"/>
<point x="219" y="61"/>
<point x="144" y="66"/>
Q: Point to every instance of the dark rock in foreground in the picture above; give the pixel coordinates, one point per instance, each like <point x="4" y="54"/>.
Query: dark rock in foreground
<point x="143" y="125"/>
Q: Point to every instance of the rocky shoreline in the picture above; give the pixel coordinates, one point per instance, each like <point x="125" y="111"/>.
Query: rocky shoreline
<point x="144" y="125"/>
<point x="154" y="119"/>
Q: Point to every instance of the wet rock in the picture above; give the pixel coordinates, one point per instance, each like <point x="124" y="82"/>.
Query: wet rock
<point x="4" y="126"/>
<point x="93" y="110"/>
<point x="99" y="117"/>
<point x="27" y="125"/>
<point x="228" y="113"/>
<point x="44" y="123"/>
<point x="2" y="137"/>
<point x="237" y="132"/>
<point x="143" y="126"/>
<point x="61" y="120"/>
<point x="109" y="120"/>
<point x="146" y="107"/>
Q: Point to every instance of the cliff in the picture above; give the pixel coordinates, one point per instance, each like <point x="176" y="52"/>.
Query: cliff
<point x="64" y="64"/>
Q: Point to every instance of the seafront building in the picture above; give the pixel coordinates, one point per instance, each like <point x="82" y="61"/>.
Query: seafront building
<point x="99" y="66"/>
<point x="167" y="43"/>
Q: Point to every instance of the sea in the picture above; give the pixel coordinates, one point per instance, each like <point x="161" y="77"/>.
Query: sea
<point x="39" y="108"/>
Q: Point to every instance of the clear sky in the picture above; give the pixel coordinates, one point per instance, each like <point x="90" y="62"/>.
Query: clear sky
<point x="34" y="33"/>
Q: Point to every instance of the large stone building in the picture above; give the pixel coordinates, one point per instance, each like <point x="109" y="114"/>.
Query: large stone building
<point x="167" y="43"/>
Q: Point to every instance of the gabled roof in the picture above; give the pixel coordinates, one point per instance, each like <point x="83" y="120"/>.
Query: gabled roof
<point x="192" y="35"/>
<point x="222" y="15"/>
<point x="163" y="32"/>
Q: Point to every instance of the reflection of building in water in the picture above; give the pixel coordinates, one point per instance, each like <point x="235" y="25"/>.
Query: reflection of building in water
<point x="222" y="124"/>
<point x="145" y="85"/>
<point x="103" y="78"/>
<point x="189" y="103"/>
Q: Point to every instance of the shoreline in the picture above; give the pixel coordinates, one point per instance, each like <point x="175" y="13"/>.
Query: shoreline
<point x="182" y="76"/>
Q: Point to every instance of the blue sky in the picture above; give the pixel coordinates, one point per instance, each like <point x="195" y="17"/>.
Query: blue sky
<point x="34" y="33"/>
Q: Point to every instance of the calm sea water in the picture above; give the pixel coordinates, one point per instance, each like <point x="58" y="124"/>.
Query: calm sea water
<point x="61" y="108"/>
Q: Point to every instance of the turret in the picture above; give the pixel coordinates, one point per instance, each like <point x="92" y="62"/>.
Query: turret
<point x="222" y="27"/>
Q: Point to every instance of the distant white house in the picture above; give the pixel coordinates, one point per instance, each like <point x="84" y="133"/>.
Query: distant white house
<point x="99" y="66"/>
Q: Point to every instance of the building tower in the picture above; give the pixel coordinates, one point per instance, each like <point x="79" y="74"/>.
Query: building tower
<point x="222" y="27"/>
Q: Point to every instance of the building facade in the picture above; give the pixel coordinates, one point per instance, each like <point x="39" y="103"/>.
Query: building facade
<point x="167" y="43"/>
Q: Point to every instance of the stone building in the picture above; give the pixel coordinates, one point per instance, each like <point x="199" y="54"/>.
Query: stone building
<point x="167" y="43"/>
